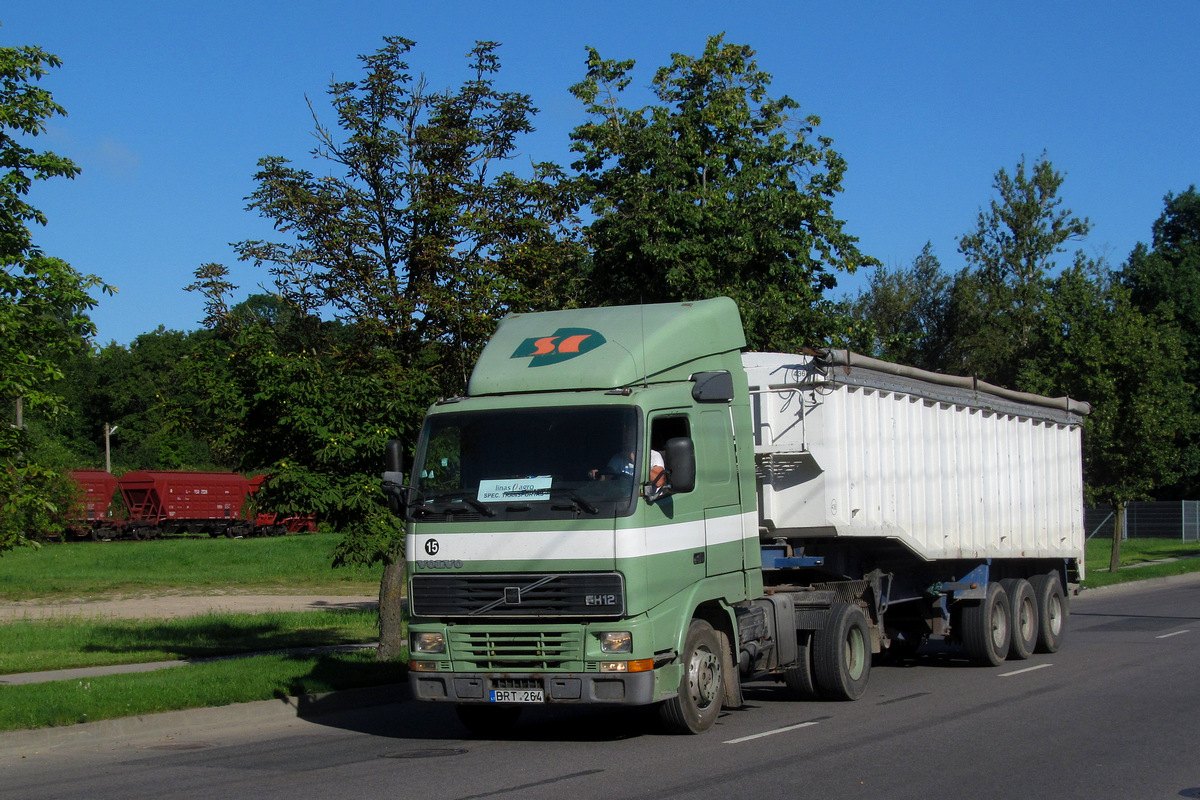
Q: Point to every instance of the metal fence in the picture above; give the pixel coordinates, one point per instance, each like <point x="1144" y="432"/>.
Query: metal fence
<point x="1175" y="519"/>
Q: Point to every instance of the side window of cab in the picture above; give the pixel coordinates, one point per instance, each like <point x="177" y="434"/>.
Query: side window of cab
<point x="662" y="429"/>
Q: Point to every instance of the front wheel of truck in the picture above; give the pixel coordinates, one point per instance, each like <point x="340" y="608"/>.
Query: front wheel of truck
<point x="488" y="721"/>
<point x="695" y="708"/>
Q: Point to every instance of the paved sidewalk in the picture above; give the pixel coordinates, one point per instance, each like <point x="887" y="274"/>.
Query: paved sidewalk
<point x="171" y="728"/>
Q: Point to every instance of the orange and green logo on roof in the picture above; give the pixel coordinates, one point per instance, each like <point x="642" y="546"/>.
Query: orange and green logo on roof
<point x="563" y="344"/>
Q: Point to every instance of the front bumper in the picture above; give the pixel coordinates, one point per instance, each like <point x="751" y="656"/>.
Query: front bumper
<point x="630" y="689"/>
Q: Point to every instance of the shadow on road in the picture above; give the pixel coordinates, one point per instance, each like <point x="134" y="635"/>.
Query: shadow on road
<point x="391" y="712"/>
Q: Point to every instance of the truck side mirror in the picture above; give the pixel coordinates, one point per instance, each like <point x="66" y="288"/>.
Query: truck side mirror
<point x="393" y="476"/>
<point x="712" y="387"/>
<point x="680" y="458"/>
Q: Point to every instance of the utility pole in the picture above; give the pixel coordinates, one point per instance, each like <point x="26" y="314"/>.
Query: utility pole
<point x="107" y="455"/>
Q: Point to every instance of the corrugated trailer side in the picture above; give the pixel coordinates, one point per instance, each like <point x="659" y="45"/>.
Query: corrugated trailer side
<point x="949" y="467"/>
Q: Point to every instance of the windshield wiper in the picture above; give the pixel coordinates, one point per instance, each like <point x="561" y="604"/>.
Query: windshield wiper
<point x="577" y="503"/>
<point x="465" y="497"/>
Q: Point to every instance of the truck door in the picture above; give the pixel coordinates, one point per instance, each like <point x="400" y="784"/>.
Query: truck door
<point x="706" y="520"/>
<point x="716" y="472"/>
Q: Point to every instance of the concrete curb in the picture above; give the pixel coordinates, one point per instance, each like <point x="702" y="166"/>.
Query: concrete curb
<point x="191" y="724"/>
<point x="1140" y="584"/>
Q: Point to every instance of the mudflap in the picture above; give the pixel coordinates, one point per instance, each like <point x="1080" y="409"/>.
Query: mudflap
<point x="733" y="681"/>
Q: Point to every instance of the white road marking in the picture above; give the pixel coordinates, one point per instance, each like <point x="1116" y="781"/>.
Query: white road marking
<point x="769" y="733"/>
<point x="1169" y="635"/>
<point x="1023" y="671"/>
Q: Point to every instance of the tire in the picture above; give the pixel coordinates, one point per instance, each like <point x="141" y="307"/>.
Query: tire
<point x="1022" y="618"/>
<point x="1052" y="611"/>
<point x="799" y="679"/>
<point x="701" y="687"/>
<point x="985" y="627"/>
<point x="842" y="653"/>
<point x="488" y="721"/>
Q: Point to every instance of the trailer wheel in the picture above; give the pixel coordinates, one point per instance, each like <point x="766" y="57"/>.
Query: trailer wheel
<point x="985" y="627"/>
<point x="842" y="653"/>
<point x="1052" y="611"/>
<point x="799" y="679"/>
<point x="695" y="708"/>
<point x="1022" y="617"/>
<point x="486" y="720"/>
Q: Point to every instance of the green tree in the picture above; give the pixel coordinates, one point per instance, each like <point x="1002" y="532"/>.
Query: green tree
<point x="998" y="299"/>
<point x="414" y="234"/>
<point x="717" y="189"/>
<point x="137" y="389"/>
<point x="1096" y="345"/>
<point x="43" y="301"/>
<point x="414" y="240"/>
<point x="1165" y="278"/>
<point x="901" y="316"/>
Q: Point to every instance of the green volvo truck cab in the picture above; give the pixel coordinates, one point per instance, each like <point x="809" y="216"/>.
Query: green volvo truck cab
<point x="545" y="564"/>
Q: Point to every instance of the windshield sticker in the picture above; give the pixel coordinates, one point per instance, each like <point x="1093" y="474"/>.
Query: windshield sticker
<point x="563" y="344"/>
<point x="536" y="487"/>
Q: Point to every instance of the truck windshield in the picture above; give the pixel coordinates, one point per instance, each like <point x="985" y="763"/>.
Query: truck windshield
<point x="530" y="462"/>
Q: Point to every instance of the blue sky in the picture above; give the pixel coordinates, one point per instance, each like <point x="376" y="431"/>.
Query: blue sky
<point x="172" y="103"/>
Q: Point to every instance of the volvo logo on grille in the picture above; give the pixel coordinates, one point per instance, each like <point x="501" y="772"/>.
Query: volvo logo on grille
<point x="512" y="595"/>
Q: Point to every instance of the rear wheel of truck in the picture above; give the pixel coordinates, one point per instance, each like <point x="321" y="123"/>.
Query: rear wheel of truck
<point x="1022" y="616"/>
<point x="488" y="720"/>
<point x="695" y="708"/>
<point x="985" y="627"/>
<point x="799" y="679"/>
<point x="1051" y="611"/>
<point x="842" y="653"/>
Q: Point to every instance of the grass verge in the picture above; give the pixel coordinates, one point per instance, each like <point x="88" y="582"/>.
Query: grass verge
<point x="214" y="683"/>
<point x="298" y="564"/>
<point x="50" y="644"/>
<point x="1141" y="559"/>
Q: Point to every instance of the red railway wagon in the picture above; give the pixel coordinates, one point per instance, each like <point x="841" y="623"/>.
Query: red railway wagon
<point x="194" y="502"/>
<point x="91" y="517"/>
<point x="272" y="523"/>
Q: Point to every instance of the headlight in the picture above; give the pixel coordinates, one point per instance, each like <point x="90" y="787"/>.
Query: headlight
<point x="616" y="642"/>
<point x="429" y="643"/>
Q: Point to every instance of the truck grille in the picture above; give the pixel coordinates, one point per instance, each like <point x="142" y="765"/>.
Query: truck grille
<point x="578" y="594"/>
<point x="516" y="650"/>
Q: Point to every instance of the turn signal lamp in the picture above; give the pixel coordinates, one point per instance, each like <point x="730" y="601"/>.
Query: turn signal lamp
<point x="640" y="665"/>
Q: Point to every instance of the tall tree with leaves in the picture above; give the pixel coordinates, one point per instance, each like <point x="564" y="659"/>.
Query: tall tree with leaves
<point x="998" y="299"/>
<point x="415" y="239"/>
<point x="1096" y="345"/>
<point x="1164" y="278"/>
<point x="43" y="301"/>
<point x="901" y="315"/>
<point x="415" y="233"/>
<point x="717" y="189"/>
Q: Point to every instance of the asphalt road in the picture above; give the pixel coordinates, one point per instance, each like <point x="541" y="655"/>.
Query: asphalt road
<point x="1114" y="714"/>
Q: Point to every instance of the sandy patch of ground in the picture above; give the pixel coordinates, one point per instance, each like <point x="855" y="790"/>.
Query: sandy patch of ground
<point x="179" y="605"/>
